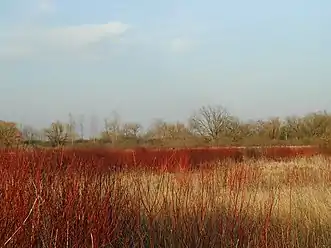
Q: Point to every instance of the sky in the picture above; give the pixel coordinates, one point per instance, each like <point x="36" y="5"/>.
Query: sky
<point x="150" y="60"/>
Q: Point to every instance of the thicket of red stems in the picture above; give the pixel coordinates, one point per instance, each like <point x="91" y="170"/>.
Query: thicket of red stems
<point x="164" y="159"/>
<point x="75" y="198"/>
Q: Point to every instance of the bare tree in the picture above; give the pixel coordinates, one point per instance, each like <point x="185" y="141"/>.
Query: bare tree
<point x="29" y="134"/>
<point x="57" y="133"/>
<point x="9" y="134"/>
<point x="293" y="128"/>
<point x="162" y="133"/>
<point x="316" y="125"/>
<point x="237" y="130"/>
<point x="81" y="127"/>
<point x="176" y="130"/>
<point x="131" y="129"/>
<point x="313" y="126"/>
<point x="210" y="122"/>
<point x="271" y="129"/>
<point x="158" y="130"/>
<point x="94" y="129"/>
<point x="72" y="135"/>
<point x="112" y="128"/>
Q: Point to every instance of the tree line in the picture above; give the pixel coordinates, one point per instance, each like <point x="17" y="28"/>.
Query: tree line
<point x="208" y="126"/>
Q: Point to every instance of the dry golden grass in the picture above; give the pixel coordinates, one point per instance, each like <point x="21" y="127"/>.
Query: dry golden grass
<point x="249" y="204"/>
<point x="295" y="193"/>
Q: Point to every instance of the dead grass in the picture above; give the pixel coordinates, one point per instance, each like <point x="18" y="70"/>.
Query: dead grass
<point x="248" y="204"/>
<point x="293" y="194"/>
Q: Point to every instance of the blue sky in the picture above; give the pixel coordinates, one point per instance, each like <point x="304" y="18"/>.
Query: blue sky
<point x="162" y="59"/>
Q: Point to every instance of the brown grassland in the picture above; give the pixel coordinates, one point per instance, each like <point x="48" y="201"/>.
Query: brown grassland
<point x="48" y="199"/>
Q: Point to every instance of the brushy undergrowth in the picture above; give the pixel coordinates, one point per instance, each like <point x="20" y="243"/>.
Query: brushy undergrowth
<point x="49" y="200"/>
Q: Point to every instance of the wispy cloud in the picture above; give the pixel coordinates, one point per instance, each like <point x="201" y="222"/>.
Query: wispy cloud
<point x="14" y="52"/>
<point x="46" y="6"/>
<point x="68" y="39"/>
<point x="182" y="45"/>
<point x="73" y="37"/>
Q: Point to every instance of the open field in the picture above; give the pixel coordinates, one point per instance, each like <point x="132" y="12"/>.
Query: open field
<point x="279" y="197"/>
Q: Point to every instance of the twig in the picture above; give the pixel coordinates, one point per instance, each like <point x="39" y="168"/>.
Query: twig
<point x="55" y="237"/>
<point x="92" y="240"/>
<point x="24" y="222"/>
<point x="67" y="234"/>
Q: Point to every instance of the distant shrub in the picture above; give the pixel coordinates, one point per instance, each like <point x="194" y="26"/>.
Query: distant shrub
<point x="253" y="153"/>
<point x="9" y="134"/>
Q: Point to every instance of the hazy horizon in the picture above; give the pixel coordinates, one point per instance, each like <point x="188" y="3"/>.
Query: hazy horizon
<point x="162" y="59"/>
